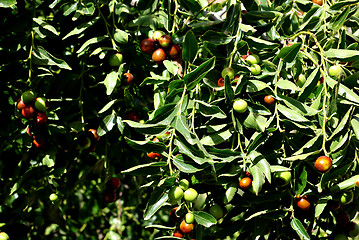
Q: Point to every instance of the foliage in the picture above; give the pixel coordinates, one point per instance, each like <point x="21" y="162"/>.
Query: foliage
<point x="61" y="49"/>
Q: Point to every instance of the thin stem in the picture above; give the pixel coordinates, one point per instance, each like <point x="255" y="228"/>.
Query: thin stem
<point x="170" y="153"/>
<point x="238" y="36"/>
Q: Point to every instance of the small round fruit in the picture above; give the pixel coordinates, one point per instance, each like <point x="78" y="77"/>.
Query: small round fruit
<point x="323" y="164"/>
<point x="357" y="181"/>
<point x="173" y="217"/>
<point x="301" y="80"/>
<point x="189" y="218"/>
<point x="41" y="104"/>
<point x="129" y="78"/>
<point x="157" y="34"/>
<point x="28" y="96"/>
<point x="173" y="51"/>
<point x="53" y="197"/>
<point x="184" y="184"/>
<point x="93" y="134"/>
<point x="113" y="183"/>
<point x="334" y="205"/>
<point x="342" y="219"/>
<point x="147" y="45"/>
<point x="175" y="194"/>
<point x="240" y="105"/>
<point x="335" y="71"/>
<point x="216" y="211"/>
<point x="283" y="177"/>
<point x="41" y="118"/>
<point x="186" y="228"/>
<point x="115" y="60"/>
<point x="178" y="233"/>
<point x="252" y="59"/>
<point x="319" y="2"/>
<point x="303" y="204"/>
<point x="346" y="197"/>
<point x="190" y="195"/>
<point x="158" y="56"/>
<point x="109" y="196"/>
<point x="245" y="183"/>
<point x="352" y="229"/>
<point x="20" y="104"/>
<point x="154" y="155"/>
<point x="269" y="99"/>
<point x="221" y="82"/>
<point x="165" y="40"/>
<point x="228" y="71"/>
<point x="255" y="69"/>
<point x="132" y="116"/>
<point x="340" y="236"/>
<point x="4" y="236"/>
<point x="28" y="111"/>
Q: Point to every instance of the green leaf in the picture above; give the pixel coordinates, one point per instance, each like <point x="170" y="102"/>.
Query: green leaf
<point x="261" y="15"/>
<point x="301" y="183"/>
<point x="111" y="82"/>
<point x="81" y="28"/>
<point x="145" y="169"/>
<point x="342" y="124"/>
<point x="217" y="138"/>
<point x="344" y="91"/>
<point x="302" y="156"/>
<point x="156" y="201"/>
<point x="170" y="66"/>
<point x="46" y="26"/>
<point x="90" y="42"/>
<point x="297" y="106"/>
<point x="188" y="152"/>
<point x="345" y="185"/>
<point x="194" y="77"/>
<point x="41" y="57"/>
<point x="107" y="124"/>
<point x="339" y="5"/>
<point x="179" y="162"/>
<point x="258" y="178"/>
<point x="298" y="227"/>
<point x="121" y="36"/>
<point x="228" y="90"/>
<point x="49" y="160"/>
<point x="217" y="38"/>
<point x="256" y="86"/>
<point x="107" y="106"/>
<point x="354" y="122"/>
<point x="340" y="19"/>
<point x="287" y="85"/>
<point x="147" y="146"/>
<point x="182" y="127"/>
<point x="261" y="44"/>
<point x="120" y="124"/>
<point x="343" y="55"/>
<point x="203" y="218"/>
<point x="291" y="114"/>
<point x="7" y="3"/>
<point x="190" y="47"/>
<point x="209" y="110"/>
<point x="288" y="54"/>
<point x="230" y="193"/>
<point x="255" y="121"/>
<point x="147" y="128"/>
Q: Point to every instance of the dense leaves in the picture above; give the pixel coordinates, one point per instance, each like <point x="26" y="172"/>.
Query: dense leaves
<point x="173" y="121"/>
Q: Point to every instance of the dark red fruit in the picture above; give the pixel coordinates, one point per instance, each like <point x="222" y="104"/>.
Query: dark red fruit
<point x="269" y="99"/>
<point x="154" y="156"/>
<point x="109" y="196"/>
<point x="93" y="134"/>
<point x="165" y="41"/>
<point x="323" y="164"/>
<point x="158" y="56"/>
<point x="147" y="45"/>
<point x="186" y="228"/>
<point x="173" y="217"/>
<point x="129" y="78"/>
<point x="38" y="142"/>
<point x="334" y="205"/>
<point x="178" y="233"/>
<point x="221" y="82"/>
<point x="245" y="183"/>
<point x="342" y="219"/>
<point x="113" y="183"/>
<point x="41" y="118"/>
<point x="28" y="111"/>
<point x="20" y="104"/>
<point x="132" y="116"/>
<point x="303" y="203"/>
<point x="174" y="51"/>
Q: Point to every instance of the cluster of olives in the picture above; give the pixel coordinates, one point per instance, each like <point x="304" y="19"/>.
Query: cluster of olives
<point x="253" y="61"/>
<point x="161" y="47"/>
<point x="112" y="185"/>
<point x="33" y="108"/>
<point x="87" y="140"/>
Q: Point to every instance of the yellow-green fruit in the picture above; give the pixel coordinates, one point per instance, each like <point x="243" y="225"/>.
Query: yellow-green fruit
<point x="216" y="211"/>
<point x="190" y="195"/>
<point x="41" y="104"/>
<point x="189" y="218"/>
<point x="53" y="197"/>
<point x="175" y="194"/>
<point x="240" y="105"/>
<point x="28" y="96"/>
<point x="115" y="60"/>
<point x="252" y="59"/>
<point x="4" y="236"/>
<point x="255" y="69"/>
<point x="184" y="184"/>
